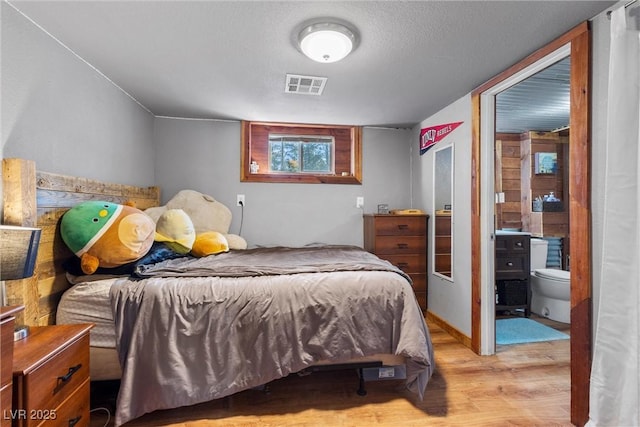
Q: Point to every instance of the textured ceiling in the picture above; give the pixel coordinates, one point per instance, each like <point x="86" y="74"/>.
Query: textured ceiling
<point x="540" y="102"/>
<point x="229" y="59"/>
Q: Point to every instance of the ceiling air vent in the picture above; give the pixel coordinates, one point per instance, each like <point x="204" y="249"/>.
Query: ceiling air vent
<point x="304" y="85"/>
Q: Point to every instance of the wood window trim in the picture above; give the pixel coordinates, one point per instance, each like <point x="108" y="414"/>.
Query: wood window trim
<point x="352" y="160"/>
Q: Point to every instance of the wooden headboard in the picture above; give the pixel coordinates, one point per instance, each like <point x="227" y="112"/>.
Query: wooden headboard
<point x="39" y="199"/>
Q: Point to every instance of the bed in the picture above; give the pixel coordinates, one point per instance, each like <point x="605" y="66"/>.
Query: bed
<point x="196" y="329"/>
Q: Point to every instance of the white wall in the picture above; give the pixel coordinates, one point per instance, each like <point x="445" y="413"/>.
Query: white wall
<point x="449" y="300"/>
<point x="204" y="155"/>
<point x="63" y="114"/>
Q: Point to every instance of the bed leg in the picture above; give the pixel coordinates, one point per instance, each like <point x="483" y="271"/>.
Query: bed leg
<point x="361" y="389"/>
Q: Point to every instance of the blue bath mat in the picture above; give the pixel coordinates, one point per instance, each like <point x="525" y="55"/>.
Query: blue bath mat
<point x="523" y="330"/>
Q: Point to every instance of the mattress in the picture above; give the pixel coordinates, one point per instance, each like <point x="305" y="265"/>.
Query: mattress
<point x="88" y="302"/>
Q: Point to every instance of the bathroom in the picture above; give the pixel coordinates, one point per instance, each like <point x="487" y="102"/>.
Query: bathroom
<point x="531" y="196"/>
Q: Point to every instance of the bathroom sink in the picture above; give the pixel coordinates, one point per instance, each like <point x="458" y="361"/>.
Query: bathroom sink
<point x="510" y="233"/>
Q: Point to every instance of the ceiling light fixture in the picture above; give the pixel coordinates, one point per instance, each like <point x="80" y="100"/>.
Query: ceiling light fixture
<point x="326" y="41"/>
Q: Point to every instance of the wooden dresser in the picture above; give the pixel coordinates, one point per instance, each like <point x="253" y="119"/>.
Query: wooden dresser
<point x="401" y="240"/>
<point x="7" y="324"/>
<point x="513" y="273"/>
<point x="51" y="377"/>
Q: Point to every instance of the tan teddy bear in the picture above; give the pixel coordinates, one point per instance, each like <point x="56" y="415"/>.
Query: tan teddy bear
<point x="207" y="215"/>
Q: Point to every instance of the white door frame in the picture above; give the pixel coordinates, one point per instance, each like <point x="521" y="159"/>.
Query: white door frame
<point x="487" y="198"/>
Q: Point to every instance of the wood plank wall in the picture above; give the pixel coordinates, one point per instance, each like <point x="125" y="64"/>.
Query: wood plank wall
<point x="507" y="169"/>
<point x="33" y="198"/>
<point x="516" y="178"/>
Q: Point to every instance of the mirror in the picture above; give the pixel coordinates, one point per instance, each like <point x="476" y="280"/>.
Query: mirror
<point x="443" y="207"/>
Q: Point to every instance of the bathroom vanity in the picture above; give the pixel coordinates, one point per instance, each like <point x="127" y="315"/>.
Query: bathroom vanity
<point x="513" y="272"/>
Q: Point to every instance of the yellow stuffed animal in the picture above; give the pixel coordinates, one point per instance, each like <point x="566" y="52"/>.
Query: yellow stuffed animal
<point x="175" y="229"/>
<point x="209" y="243"/>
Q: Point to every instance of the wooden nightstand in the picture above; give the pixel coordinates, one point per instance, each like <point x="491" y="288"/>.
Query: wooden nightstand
<point x="51" y="377"/>
<point x="401" y="240"/>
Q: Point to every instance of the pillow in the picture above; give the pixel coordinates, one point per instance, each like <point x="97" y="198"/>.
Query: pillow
<point x="159" y="252"/>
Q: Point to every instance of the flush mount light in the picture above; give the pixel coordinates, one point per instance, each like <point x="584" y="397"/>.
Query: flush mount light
<point x="326" y="41"/>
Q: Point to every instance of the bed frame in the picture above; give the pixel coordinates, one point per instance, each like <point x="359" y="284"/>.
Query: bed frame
<point x="39" y="199"/>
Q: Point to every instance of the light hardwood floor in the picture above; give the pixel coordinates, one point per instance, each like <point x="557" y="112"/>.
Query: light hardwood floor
<point x="521" y="385"/>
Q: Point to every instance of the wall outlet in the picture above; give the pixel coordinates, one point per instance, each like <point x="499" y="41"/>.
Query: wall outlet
<point x="359" y="202"/>
<point x="240" y="200"/>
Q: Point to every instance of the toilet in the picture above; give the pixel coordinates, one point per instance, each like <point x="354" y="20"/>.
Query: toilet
<point x="550" y="287"/>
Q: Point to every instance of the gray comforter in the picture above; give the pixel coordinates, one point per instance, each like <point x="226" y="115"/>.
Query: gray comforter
<point x="194" y="330"/>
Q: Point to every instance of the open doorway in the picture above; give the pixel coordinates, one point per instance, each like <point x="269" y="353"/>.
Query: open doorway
<point x="576" y="44"/>
<point x="532" y="210"/>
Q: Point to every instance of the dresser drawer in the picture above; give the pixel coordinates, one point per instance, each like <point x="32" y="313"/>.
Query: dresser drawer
<point x="513" y="244"/>
<point x="6" y="350"/>
<point x="401" y="240"/>
<point x="410" y="263"/>
<point x="400" y="245"/>
<point x="395" y="225"/>
<point x="5" y="404"/>
<point x="419" y="282"/>
<point x="512" y="267"/>
<point x="53" y="382"/>
<point x="74" y="412"/>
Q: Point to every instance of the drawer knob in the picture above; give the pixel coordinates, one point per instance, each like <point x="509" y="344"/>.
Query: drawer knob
<point x="74" y="421"/>
<point x="402" y="246"/>
<point x="403" y="264"/>
<point x="519" y="244"/>
<point x="72" y="370"/>
<point x="403" y="226"/>
<point x="510" y="264"/>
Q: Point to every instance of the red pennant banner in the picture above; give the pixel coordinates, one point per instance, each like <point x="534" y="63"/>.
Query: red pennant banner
<point x="432" y="135"/>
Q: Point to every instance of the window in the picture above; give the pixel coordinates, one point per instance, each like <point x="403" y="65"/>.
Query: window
<point x="304" y="154"/>
<point x="283" y="152"/>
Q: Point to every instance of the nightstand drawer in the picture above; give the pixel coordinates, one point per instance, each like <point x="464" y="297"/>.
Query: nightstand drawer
<point x="400" y="245"/>
<point x="57" y="379"/>
<point x="408" y="263"/>
<point x="395" y="225"/>
<point x="5" y="404"/>
<point x="74" y="411"/>
<point x="6" y="350"/>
